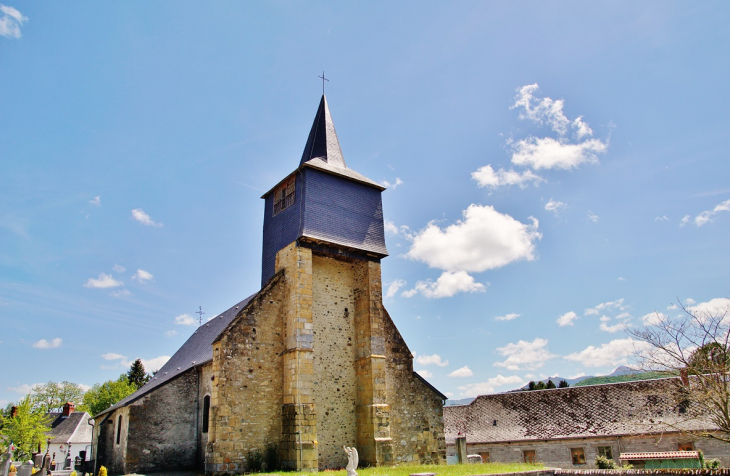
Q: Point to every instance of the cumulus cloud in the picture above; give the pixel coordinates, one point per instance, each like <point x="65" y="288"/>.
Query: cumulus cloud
<point x="593" y="217"/>
<point x="662" y="218"/>
<point x="612" y="329"/>
<point x="52" y="344"/>
<point x="121" y="293"/>
<point x="707" y="216"/>
<point x="434" y="359"/>
<point x="525" y="355"/>
<point x="548" y="153"/>
<point x="613" y="353"/>
<point x="653" y="318"/>
<point x="567" y="319"/>
<point x="142" y="276"/>
<point x="142" y="217"/>
<point x="618" y="304"/>
<point x="465" y="371"/>
<point x="555" y="206"/>
<point x="185" y="320"/>
<point x="424" y="373"/>
<point x="10" y="22"/>
<point x="112" y="356"/>
<point x="487" y="177"/>
<point x="484" y="388"/>
<point x="96" y="201"/>
<point x="392" y="185"/>
<point x="394" y="287"/>
<point x="565" y="152"/>
<point x="150" y="365"/>
<point x="25" y="389"/>
<point x="119" y="268"/>
<point x="507" y="317"/>
<point x="170" y="333"/>
<point x="716" y="307"/>
<point x="484" y="239"/>
<point x="103" y="281"/>
<point x="446" y="285"/>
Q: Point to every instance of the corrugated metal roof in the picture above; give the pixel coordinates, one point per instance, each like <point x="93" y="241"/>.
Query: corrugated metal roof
<point x="661" y="455"/>
<point x="195" y="351"/>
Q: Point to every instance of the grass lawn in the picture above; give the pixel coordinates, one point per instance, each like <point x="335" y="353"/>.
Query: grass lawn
<point x="440" y="470"/>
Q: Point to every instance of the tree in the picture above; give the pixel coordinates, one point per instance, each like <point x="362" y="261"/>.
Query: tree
<point x="137" y="374"/>
<point x="28" y="428"/>
<point x="563" y="384"/>
<point x="103" y="395"/>
<point x="531" y="385"/>
<point x="696" y="346"/>
<point x="51" y="396"/>
<point x="540" y="386"/>
<point x="550" y="384"/>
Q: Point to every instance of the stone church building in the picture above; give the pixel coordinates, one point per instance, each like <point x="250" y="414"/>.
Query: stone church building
<point x="309" y="363"/>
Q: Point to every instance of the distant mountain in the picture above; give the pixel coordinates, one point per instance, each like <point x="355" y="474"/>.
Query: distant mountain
<point x="556" y="381"/>
<point x="463" y="401"/>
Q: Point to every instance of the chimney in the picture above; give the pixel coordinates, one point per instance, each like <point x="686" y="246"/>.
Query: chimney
<point x="684" y="376"/>
<point x="13" y="412"/>
<point x="68" y="408"/>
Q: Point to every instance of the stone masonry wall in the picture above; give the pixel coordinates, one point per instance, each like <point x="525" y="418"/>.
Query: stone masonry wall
<point x="557" y="453"/>
<point x="416" y="411"/>
<point x="163" y="427"/>
<point x="205" y="372"/>
<point x="246" y="390"/>
<point x="334" y="358"/>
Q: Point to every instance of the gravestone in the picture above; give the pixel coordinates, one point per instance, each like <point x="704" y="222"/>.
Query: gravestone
<point x="461" y="449"/>
<point x="26" y="469"/>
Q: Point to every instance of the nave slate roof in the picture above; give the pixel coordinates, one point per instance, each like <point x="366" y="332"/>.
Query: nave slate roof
<point x="197" y="350"/>
<point x="627" y="408"/>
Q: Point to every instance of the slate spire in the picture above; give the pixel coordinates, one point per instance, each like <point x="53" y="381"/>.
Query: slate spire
<point x="322" y="142"/>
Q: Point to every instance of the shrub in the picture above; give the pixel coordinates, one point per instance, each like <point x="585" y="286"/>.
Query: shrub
<point x="255" y="461"/>
<point x="102" y="471"/>
<point x="605" y="463"/>
<point x="712" y="463"/>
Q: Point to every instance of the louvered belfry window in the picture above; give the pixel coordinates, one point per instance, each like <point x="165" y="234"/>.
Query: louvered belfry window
<point x="284" y="195"/>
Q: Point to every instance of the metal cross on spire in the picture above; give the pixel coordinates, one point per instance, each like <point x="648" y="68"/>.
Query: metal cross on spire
<point x="323" y="80"/>
<point x="200" y="313"/>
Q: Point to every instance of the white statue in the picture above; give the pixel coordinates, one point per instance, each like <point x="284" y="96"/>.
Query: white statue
<point x="352" y="460"/>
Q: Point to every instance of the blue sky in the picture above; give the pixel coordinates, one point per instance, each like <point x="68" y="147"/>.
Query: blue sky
<point x="557" y="172"/>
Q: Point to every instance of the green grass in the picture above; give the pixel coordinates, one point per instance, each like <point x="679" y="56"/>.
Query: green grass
<point x="623" y="378"/>
<point x="440" y="470"/>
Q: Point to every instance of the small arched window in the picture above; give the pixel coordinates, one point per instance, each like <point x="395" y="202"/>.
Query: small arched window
<point x="206" y="413"/>
<point x="119" y="429"/>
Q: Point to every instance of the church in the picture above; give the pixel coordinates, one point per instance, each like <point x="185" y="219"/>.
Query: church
<point x="308" y="364"/>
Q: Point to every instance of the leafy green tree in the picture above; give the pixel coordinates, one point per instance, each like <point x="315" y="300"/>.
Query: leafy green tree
<point x="563" y="384"/>
<point x="550" y="384"/>
<point x="540" y="386"/>
<point x="103" y="395"/>
<point x="52" y="395"/>
<point x="531" y="385"/>
<point x="137" y="374"/>
<point x="28" y="428"/>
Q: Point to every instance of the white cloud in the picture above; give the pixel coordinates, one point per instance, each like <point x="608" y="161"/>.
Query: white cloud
<point x="662" y="218"/>
<point x="484" y="239"/>
<point x="593" y="217"/>
<point x="394" y="229"/>
<point x="121" y="293"/>
<point x="507" y="317"/>
<point x="487" y="177"/>
<point x="672" y="307"/>
<point x="716" y="307"/>
<point x="184" y="320"/>
<point x="392" y="185"/>
<point x="525" y="355"/>
<point x="390" y="227"/>
<point x="170" y="333"/>
<point x="142" y="276"/>
<point x="424" y="373"/>
<point x="578" y="375"/>
<point x="140" y="215"/>
<point x="542" y="111"/>
<point x="613" y="353"/>
<point x="604" y="319"/>
<point x="653" y="318"/>
<point x="614" y="328"/>
<point x="434" y="359"/>
<point x="112" y="356"/>
<point x="483" y="388"/>
<point x="152" y="365"/>
<point x="119" y="268"/>
<point x="618" y="304"/>
<point x="52" y="344"/>
<point x="707" y="216"/>
<point x="623" y="315"/>
<point x="685" y="220"/>
<point x="103" y="281"/>
<point x="25" y="389"/>
<point x="446" y="285"/>
<point x="690" y="301"/>
<point x="96" y="201"/>
<point x="567" y="319"/>
<point x="465" y="371"/>
<point x="11" y="21"/>
<point x="548" y="153"/>
<point x="554" y="206"/>
<point x="394" y="287"/>
<point x="621" y="278"/>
